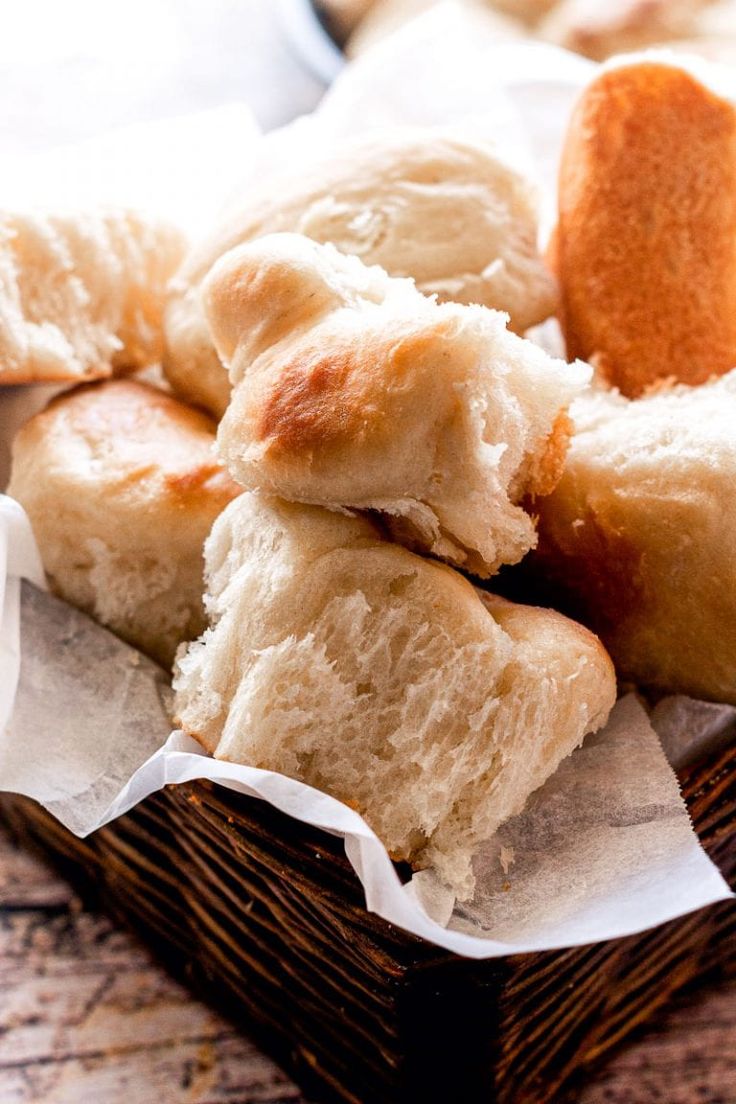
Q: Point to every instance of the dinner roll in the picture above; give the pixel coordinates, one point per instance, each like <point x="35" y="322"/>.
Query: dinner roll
<point x="384" y="679"/>
<point x="82" y="295"/>
<point x="431" y="204"/>
<point x="387" y="16"/>
<point x="353" y="390"/>
<point x="713" y="35"/>
<point x="646" y="240"/>
<point x="121" y="484"/>
<point x="639" y="536"/>
<point x="599" y="28"/>
<point x="530" y="11"/>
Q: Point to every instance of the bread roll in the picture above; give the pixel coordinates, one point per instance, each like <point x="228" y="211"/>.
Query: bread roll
<point x="639" y="536"/>
<point x="425" y="203"/>
<point x="384" y="679"/>
<point x="713" y="34"/>
<point x="646" y="239"/>
<point x="387" y="16"/>
<point x="81" y="296"/>
<point x="121" y="484"/>
<point x="352" y="390"/>
<point x="599" y="28"/>
<point x="529" y="11"/>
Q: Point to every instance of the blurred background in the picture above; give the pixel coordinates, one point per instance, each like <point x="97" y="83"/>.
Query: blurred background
<point x="71" y="71"/>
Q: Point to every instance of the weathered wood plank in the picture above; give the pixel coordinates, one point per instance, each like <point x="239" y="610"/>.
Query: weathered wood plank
<point x="210" y="1071"/>
<point x="85" y="1016"/>
<point x="27" y="883"/>
<point x="688" y="1057"/>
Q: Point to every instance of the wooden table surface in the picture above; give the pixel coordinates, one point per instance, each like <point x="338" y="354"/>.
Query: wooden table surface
<point x="87" y="1018"/>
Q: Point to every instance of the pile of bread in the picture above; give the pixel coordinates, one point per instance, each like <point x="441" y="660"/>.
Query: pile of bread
<point x="595" y="28"/>
<point x="388" y="442"/>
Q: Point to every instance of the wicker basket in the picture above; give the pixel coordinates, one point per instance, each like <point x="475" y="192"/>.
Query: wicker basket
<point x="264" y="916"/>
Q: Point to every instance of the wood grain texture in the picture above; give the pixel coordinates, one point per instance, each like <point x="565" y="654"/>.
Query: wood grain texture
<point x="265" y="917"/>
<point x="688" y="1057"/>
<point x="85" y="1015"/>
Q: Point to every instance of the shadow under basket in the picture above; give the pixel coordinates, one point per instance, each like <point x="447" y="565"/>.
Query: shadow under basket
<point x="264" y="917"/>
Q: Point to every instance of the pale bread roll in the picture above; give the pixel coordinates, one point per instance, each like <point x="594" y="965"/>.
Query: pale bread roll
<point x="646" y="240"/>
<point x="383" y="679"/>
<point x="529" y="11"/>
<point x="639" y="535"/>
<point x="82" y="295"/>
<point x="600" y="28"/>
<point x="387" y="16"/>
<point x="352" y="390"/>
<point x="430" y="204"/>
<point x="122" y="485"/>
<point x="713" y="35"/>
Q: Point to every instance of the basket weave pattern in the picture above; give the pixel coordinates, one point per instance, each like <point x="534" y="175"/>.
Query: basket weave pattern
<point x="265" y="917"/>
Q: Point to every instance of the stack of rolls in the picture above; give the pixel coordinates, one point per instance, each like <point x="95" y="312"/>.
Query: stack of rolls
<point x="597" y="29"/>
<point x="637" y="538"/>
<point x="376" y="442"/>
<point x="119" y="479"/>
<point x="373" y="427"/>
<point x="434" y="204"/>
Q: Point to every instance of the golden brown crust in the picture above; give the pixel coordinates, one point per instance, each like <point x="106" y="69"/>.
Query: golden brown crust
<point x="637" y="539"/>
<point x="301" y="413"/>
<point x="646" y="241"/>
<point x="353" y="391"/>
<point x="548" y="465"/>
<point x="327" y="396"/>
<point x="140" y="431"/>
<point x="600" y="28"/>
<point x="122" y="485"/>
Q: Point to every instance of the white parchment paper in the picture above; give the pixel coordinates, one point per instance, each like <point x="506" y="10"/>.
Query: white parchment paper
<point x="604" y="849"/>
<point x="19" y="558"/>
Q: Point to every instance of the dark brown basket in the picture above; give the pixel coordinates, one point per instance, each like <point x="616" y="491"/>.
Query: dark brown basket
<point x="265" y="917"/>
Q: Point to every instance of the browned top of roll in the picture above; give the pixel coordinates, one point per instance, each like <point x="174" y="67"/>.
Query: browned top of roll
<point x="646" y="240"/>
